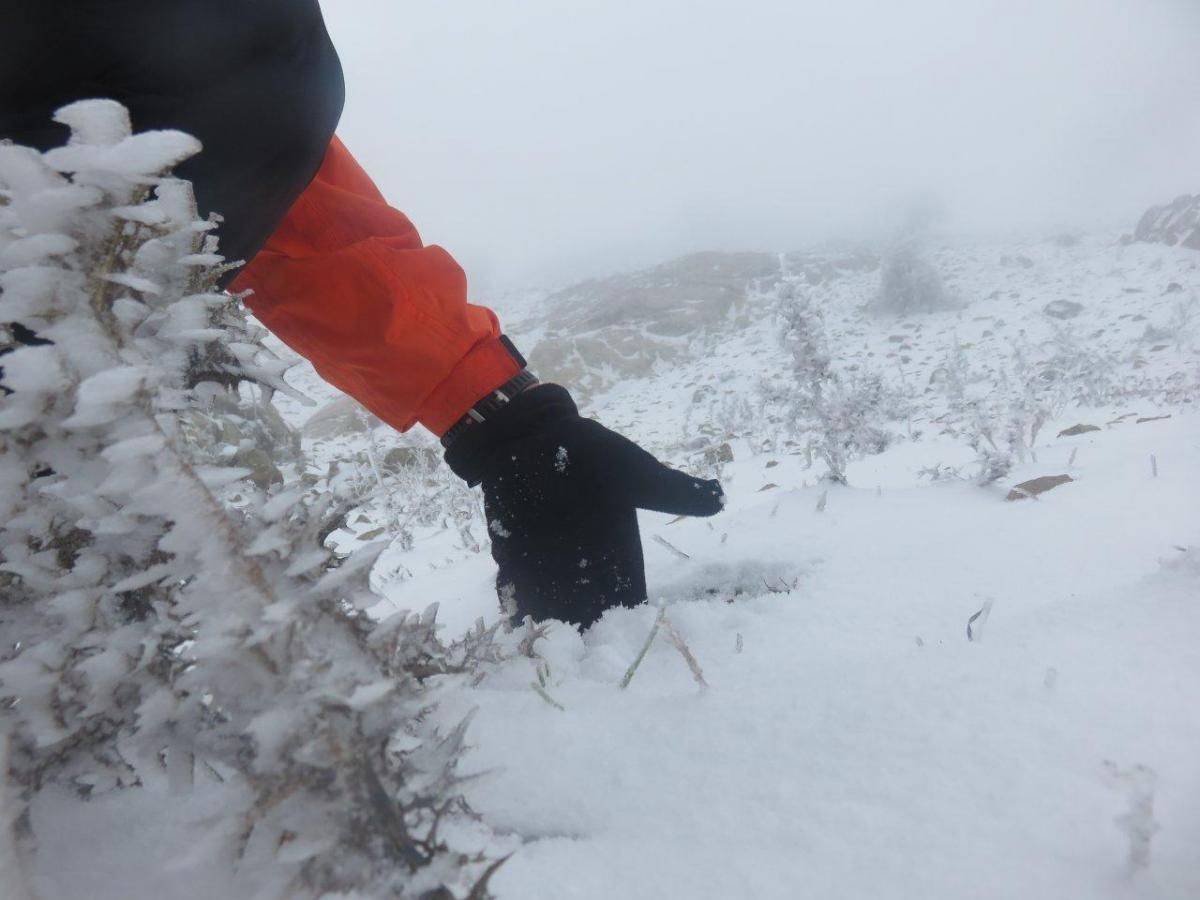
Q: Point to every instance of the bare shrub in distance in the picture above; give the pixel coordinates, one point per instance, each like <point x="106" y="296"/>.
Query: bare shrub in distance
<point x="909" y="281"/>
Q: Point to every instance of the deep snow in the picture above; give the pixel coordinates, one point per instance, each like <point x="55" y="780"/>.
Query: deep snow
<point x="859" y="744"/>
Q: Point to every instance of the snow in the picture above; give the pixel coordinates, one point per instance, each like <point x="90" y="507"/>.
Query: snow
<point x="101" y="141"/>
<point x="859" y="744"/>
<point x="853" y="741"/>
<point x="112" y="386"/>
<point x="33" y="369"/>
<point x="96" y="122"/>
<point x="34" y="249"/>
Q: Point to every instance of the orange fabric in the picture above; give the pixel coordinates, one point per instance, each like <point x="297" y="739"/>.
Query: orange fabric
<point x="346" y="282"/>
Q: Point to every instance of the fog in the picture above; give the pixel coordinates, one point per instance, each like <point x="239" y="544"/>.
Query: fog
<point x="549" y="139"/>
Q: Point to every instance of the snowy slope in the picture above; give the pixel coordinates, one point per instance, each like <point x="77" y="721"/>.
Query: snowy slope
<point x="1135" y="341"/>
<point x="850" y="739"/>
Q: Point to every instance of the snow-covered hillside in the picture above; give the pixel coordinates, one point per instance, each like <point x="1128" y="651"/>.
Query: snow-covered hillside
<point x="905" y="687"/>
<point x="852" y="740"/>
<point x="861" y="734"/>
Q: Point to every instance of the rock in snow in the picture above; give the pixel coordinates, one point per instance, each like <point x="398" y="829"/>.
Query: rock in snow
<point x="1177" y="222"/>
<point x="1036" y="486"/>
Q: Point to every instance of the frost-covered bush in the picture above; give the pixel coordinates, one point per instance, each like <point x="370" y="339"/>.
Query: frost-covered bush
<point x="402" y="492"/>
<point x="147" y="626"/>
<point x="998" y="412"/>
<point x="840" y="415"/>
<point x="1073" y="372"/>
<point x="909" y="282"/>
<point x="434" y="498"/>
<point x="1003" y="437"/>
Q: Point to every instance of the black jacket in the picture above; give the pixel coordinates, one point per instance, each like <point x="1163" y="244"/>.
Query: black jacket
<point x="257" y="81"/>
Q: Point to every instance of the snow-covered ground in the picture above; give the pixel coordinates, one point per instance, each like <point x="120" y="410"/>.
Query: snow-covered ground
<point x="861" y="731"/>
<point x="852" y="739"/>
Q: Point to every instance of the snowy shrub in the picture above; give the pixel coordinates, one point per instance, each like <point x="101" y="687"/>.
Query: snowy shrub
<point x="999" y="413"/>
<point x="940" y="472"/>
<point x="434" y="498"/>
<point x="1074" y="372"/>
<point x="404" y="489"/>
<point x="841" y="415"/>
<point x="1179" y="327"/>
<point x="149" y="628"/>
<point x="909" y="282"/>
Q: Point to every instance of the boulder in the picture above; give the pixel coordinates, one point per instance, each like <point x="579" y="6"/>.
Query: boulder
<point x="722" y="453"/>
<point x="1078" y="429"/>
<point x="408" y="458"/>
<point x="1062" y="309"/>
<point x="604" y="330"/>
<point x="1175" y="223"/>
<point x="263" y="471"/>
<point x="1036" y="486"/>
<point x="341" y="416"/>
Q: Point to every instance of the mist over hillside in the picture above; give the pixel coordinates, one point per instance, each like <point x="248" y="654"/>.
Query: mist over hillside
<point x="555" y="142"/>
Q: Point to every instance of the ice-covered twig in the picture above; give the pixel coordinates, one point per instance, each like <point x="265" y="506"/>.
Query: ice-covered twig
<point x="784" y="587"/>
<point x="541" y="692"/>
<point x="684" y="651"/>
<point x="532" y="633"/>
<point x="632" y="670"/>
<point x="480" y="889"/>
<point x="389" y="498"/>
<point x="539" y="686"/>
<point x="659" y="539"/>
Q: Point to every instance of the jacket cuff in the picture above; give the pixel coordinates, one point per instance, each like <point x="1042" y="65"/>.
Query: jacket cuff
<point x="488" y="365"/>
<point x="469" y="455"/>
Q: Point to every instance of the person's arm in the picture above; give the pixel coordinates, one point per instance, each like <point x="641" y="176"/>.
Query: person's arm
<point x="346" y="282"/>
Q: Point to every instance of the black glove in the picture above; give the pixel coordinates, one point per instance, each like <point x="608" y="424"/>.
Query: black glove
<point x="560" y="493"/>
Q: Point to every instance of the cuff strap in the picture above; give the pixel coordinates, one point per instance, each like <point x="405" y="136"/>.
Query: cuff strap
<point x="489" y="405"/>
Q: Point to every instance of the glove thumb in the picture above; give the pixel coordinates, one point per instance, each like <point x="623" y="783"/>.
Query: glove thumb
<point x="648" y="484"/>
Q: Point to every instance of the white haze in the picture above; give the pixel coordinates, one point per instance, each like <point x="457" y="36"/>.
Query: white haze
<point x="555" y="138"/>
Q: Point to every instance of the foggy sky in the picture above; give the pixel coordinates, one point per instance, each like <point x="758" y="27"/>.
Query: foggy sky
<point x="544" y="139"/>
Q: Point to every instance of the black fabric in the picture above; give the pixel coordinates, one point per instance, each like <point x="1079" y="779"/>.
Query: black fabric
<point x="561" y="495"/>
<point x="257" y="81"/>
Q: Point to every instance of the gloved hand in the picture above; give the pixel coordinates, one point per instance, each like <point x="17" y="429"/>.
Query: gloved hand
<point x="560" y="493"/>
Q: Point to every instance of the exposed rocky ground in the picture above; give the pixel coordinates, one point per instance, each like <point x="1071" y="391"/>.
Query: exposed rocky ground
<point x="1174" y="223"/>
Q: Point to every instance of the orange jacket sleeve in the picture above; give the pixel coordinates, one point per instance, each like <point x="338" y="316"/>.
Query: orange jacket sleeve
<point x="346" y="282"/>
